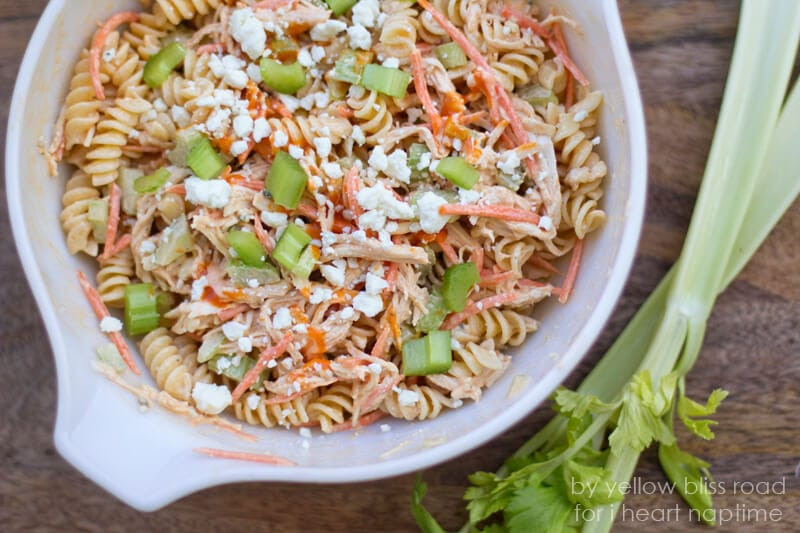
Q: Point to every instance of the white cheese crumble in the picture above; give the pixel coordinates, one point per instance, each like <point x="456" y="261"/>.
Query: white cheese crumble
<point x="369" y="304"/>
<point x="239" y="147"/>
<point x="327" y="30"/>
<point x="366" y="12"/>
<point x="332" y="170"/>
<point x="261" y="129"/>
<point x="198" y="286"/>
<point x="347" y="313"/>
<point x="280" y="139"/>
<point x="374" y="368"/>
<point x="375" y="284"/>
<point x="545" y="223"/>
<point x="248" y="31"/>
<point x="295" y="151"/>
<point x="429" y="218"/>
<point x="383" y="200"/>
<point x="323" y="146"/>
<point x="147" y="247"/>
<point x="243" y="126"/>
<point x="334" y="275"/>
<point x="233" y="330"/>
<point x="509" y="162"/>
<point x="359" y="37"/>
<point x="407" y="397"/>
<point x="358" y="135"/>
<point x="210" y="193"/>
<point x="317" y="53"/>
<point x="245" y="344"/>
<point x="282" y="318"/>
<point x="181" y="117"/>
<point x="254" y="72"/>
<point x="305" y="432"/>
<point x="385" y="428"/>
<point x="253" y="401"/>
<point x="211" y="399"/>
<point x="466" y="196"/>
<point x="391" y="62"/>
<point x="109" y="324"/>
<point x="320" y="294"/>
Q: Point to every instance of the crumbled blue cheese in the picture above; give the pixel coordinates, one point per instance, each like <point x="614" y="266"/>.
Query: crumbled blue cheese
<point x="326" y="31"/>
<point x="397" y="166"/>
<point x="253" y="401"/>
<point x="358" y="135"/>
<point x="366" y="12"/>
<point x="359" y="36"/>
<point x="320" y="294"/>
<point x="233" y="330"/>
<point x="243" y="126"/>
<point x="429" y="218"/>
<point x="211" y="193"/>
<point x="334" y="275"/>
<point x="391" y="62"/>
<point x="545" y="223"/>
<point x="317" y="53"/>
<point x="369" y="304"/>
<point x="239" y="147"/>
<point x="254" y="72"/>
<point x="109" y="324"/>
<point x="383" y="200"/>
<point x="248" y="31"/>
<point x="375" y="284"/>
<point x="407" y="397"/>
<point x="385" y="428"/>
<point x="181" y="117"/>
<point x="509" y="162"/>
<point x="274" y="220"/>
<point x="323" y="146"/>
<point x="374" y="368"/>
<point x="347" y="313"/>
<point x="468" y="196"/>
<point x="282" y="318"/>
<point x="295" y="151"/>
<point x="198" y="286"/>
<point x="280" y="139"/>
<point x="211" y="399"/>
<point x="245" y="344"/>
<point x="261" y="129"/>
<point x="332" y="170"/>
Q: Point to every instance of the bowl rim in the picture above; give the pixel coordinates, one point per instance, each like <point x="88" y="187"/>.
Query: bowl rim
<point x="169" y="492"/>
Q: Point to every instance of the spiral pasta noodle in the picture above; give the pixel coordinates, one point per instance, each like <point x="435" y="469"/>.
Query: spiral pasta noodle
<point x="177" y="11"/>
<point x="75" y="214"/>
<point x="165" y="364"/>
<point x="82" y="109"/>
<point x="114" y="274"/>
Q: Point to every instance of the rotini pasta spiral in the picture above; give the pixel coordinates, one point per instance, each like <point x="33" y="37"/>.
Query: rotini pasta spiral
<point x="115" y="273"/>
<point x="399" y="32"/>
<point x="429" y="403"/>
<point x="177" y="11"/>
<point x="333" y="406"/>
<point x="503" y="326"/>
<point x="146" y="33"/>
<point x="291" y="413"/>
<point x="474" y="368"/>
<point x="166" y="366"/>
<point x="75" y="214"/>
<point x="302" y="130"/>
<point x="187" y="350"/>
<point x="517" y="68"/>
<point x="81" y="107"/>
<point x="104" y="158"/>
<point x="372" y="111"/>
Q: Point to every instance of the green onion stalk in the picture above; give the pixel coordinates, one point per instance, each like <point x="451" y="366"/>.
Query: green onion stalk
<point x="632" y="396"/>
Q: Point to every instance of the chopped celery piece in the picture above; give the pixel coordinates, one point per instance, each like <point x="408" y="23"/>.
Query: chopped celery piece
<point x="210" y="346"/>
<point x="431" y="354"/>
<point x="350" y="65"/>
<point x="204" y="161"/>
<point x="415" y="154"/>
<point x="165" y="301"/>
<point x="158" y="67"/>
<point x="98" y="218"/>
<point x="286" y="79"/>
<point x="286" y="180"/>
<point x="141" y="309"/>
<point x="285" y="50"/>
<point x="536" y="95"/>
<point x="511" y="181"/>
<point x="385" y="80"/>
<point x="435" y="315"/>
<point x="109" y="354"/>
<point x="184" y="140"/>
<point x="235" y="367"/>
<point x="176" y="240"/>
<point x="439" y="352"/>
<point x="457" y="171"/>
<point x="415" y="360"/>
<point x="305" y="263"/>
<point x="290" y="246"/>
<point x="242" y="274"/>
<point x="458" y="281"/>
<point x="340" y="6"/>
<point x="129" y="196"/>
<point x="151" y="182"/>
<point x="450" y="55"/>
<point x="248" y="248"/>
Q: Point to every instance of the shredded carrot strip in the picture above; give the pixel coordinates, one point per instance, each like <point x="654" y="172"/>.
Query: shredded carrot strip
<point x="553" y="41"/>
<point x="391" y="316"/>
<point x="307" y="210"/>
<point x="351" y="187"/>
<point x="449" y="252"/>
<point x="180" y="188"/>
<point x="114" y="200"/>
<point x="471" y="117"/>
<point x="97" y="48"/>
<point x="230" y="312"/>
<point x="212" y="48"/>
<point x="502" y="212"/>
<point x="244" y="456"/>
<point x="391" y="275"/>
<point x="477" y="257"/>
<point x="266" y="356"/>
<point x="122" y="243"/>
<point x="101" y="311"/>
<point x="263" y="237"/>
<point x="272" y="4"/>
<point x="473" y="308"/>
<point x="254" y="185"/>
<point x="421" y="87"/>
<point x="363" y="421"/>
<point x="572" y="272"/>
<point x="380" y="343"/>
<point x="491" y="279"/>
<point x="538" y="262"/>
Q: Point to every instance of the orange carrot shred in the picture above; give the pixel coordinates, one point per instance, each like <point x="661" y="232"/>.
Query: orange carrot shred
<point x="101" y="311"/>
<point x="272" y="4"/>
<point x="538" y="262"/>
<point x="380" y="343"/>
<point x="244" y="456"/>
<point x="122" y="243"/>
<point x="491" y="279"/>
<point x="211" y="48"/>
<point x="114" y="200"/>
<point x="266" y="356"/>
<point x="473" y="308"/>
<point x="366" y="420"/>
<point x="264" y="237"/>
<point x="180" y="188"/>
<point x="391" y="275"/>
<point x="97" y="47"/>
<point x="351" y="187"/>
<point x="572" y="272"/>
<point x="502" y="212"/>
<point x="421" y="87"/>
<point x="234" y="310"/>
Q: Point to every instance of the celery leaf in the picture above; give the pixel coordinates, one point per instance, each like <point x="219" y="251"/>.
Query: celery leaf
<point x="688" y="408"/>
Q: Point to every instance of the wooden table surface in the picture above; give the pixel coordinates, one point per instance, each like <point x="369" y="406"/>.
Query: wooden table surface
<point x="681" y="49"/>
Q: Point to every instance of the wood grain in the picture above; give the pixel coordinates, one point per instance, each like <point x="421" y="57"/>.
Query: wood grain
<point x="681" y="50"/>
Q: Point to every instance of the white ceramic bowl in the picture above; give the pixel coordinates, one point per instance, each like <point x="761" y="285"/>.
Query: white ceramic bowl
<point x="146" y="459"/>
